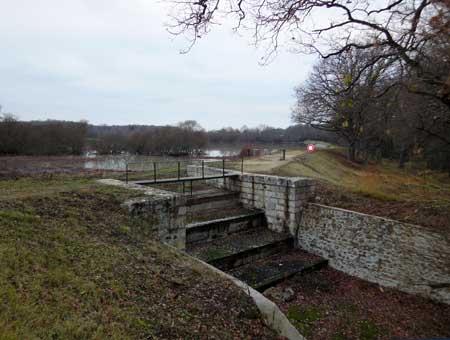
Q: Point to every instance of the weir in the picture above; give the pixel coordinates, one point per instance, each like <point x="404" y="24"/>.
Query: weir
<point x="266" y="223"/>
<point x="261" y="217"/>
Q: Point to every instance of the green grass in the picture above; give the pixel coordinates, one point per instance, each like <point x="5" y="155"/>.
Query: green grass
<point x="304" y="318"/>
<point x="384" y="182"/>
<point x="26" y="187"/>
<point x="350" y="323"/>
<point x="75" y="265"/>
<point x="63" y="273"/>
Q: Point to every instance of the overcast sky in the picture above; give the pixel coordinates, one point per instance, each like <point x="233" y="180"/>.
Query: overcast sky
<point x="112" y="62"/>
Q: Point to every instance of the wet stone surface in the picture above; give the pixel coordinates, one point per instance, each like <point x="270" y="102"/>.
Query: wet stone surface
<point x="235" y="243"/>
<point x="214" y="214"/>
<point x="262" y="272"/>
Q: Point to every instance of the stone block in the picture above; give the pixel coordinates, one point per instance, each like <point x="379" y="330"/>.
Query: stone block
<point x="387" y="252"/>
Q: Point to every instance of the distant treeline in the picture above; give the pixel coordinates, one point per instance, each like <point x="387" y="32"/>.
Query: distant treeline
<point x="190" y="138"/>
<point x="269" y="135"/>
<point x="41" y="137"/>
<point x="186" y="138"/>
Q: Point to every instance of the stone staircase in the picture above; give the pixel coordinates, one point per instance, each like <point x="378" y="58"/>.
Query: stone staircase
<point x="240" y="243"/>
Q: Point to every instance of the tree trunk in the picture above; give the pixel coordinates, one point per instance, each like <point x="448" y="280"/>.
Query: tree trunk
<point x="403" y="157"/>
<point x="378" y="156"/>
<point x="448" y="165"/>
<point x="351" y="152"/>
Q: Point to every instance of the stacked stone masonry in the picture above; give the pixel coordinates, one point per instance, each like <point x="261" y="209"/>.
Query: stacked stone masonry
<point x="281" y="198"/>
<point x="407" y="257"/>
<point x="166" y="211"/>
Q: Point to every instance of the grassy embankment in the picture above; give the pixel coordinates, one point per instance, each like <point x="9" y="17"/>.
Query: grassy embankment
<point x="411" y="195"/>
<point x="74" y="265"/>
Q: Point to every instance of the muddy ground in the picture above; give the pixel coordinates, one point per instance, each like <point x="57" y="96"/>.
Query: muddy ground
<point x="331" y="305"/>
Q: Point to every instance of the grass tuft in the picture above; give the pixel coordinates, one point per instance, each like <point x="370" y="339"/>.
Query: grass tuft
<point x="75" y="265"/>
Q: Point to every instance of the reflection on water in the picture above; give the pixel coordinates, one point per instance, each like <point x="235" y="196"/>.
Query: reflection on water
<point x="143" y="162"/>
<point x="106" y="164"/>
<point x="221" y="152"/>
<point x="92" y="161"/>
<point x="120" y="162"/>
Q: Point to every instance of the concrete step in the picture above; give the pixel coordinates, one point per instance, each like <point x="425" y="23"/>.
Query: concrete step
<point x="216" y="214"/>
<point x="212" y="199"/>
<point x="200" y="232"/>
<point x="241" y="248"/>
<point x="268" y="272"/>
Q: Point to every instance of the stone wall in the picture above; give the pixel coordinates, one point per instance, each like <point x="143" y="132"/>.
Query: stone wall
<point x="281" y="198"/>
<point x="166" y="211"/>
<point x="410" y="258"/>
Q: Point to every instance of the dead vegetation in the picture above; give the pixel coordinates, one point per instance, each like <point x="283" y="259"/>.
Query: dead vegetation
<point x="74" y="265"/>
<point x="329" y="304"/>
<point x="412" y="195"/>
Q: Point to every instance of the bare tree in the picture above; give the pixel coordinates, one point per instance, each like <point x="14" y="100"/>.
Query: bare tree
<point x="402" y="32"/>
<point x="326" y="102"/>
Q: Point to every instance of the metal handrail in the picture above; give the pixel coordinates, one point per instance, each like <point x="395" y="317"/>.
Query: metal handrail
<point x="178" y="164"/>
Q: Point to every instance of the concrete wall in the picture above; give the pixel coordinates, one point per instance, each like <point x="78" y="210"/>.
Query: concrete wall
<point x="166" y="211"/>
<point x="281" y="198"/>
<point x="410" y="258"/>
<point x="407" y="257"/>
<point x="168" y="215"/>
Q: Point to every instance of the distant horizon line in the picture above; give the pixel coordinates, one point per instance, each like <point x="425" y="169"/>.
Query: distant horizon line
<point x="260" y="126"/>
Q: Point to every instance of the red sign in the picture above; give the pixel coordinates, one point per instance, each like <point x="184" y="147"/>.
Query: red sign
<point x="311" y="148"/>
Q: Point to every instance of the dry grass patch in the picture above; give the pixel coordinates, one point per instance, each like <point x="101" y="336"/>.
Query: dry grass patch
<point x="410" y="195"/>
<point x="75" y="265"/>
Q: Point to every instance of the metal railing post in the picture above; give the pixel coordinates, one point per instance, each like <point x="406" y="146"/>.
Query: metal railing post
<point x="126" y="172"/>
<point x="154" y="172"/>
<point x="242" y="165"/>
<point x="179" y="170"/>
<point x="223" y="166"/>
<point x="203" y="168"/>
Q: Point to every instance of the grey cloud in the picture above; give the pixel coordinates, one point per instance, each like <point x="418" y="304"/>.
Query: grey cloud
<point x="113" y="62"/>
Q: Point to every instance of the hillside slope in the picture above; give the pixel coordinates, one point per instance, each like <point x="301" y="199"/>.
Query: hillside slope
<point x="421" y="197"/>
<point x="74" y="265"/>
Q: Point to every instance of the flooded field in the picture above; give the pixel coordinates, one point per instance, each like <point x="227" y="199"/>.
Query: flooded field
<point x="69" y="164"/>
<point x="222" y="152"/>
<point x="22" y="165"/>
<point x="74" y="164"/>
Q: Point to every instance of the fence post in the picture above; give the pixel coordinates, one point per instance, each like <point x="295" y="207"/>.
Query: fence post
<point x="223" y="166"/>
<point x="154" y="172"/>
<point x="242" y="165"/>
<point x="179" y="170"/>
<point x="203" y="168"/>
<point x="126" y="172"/>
